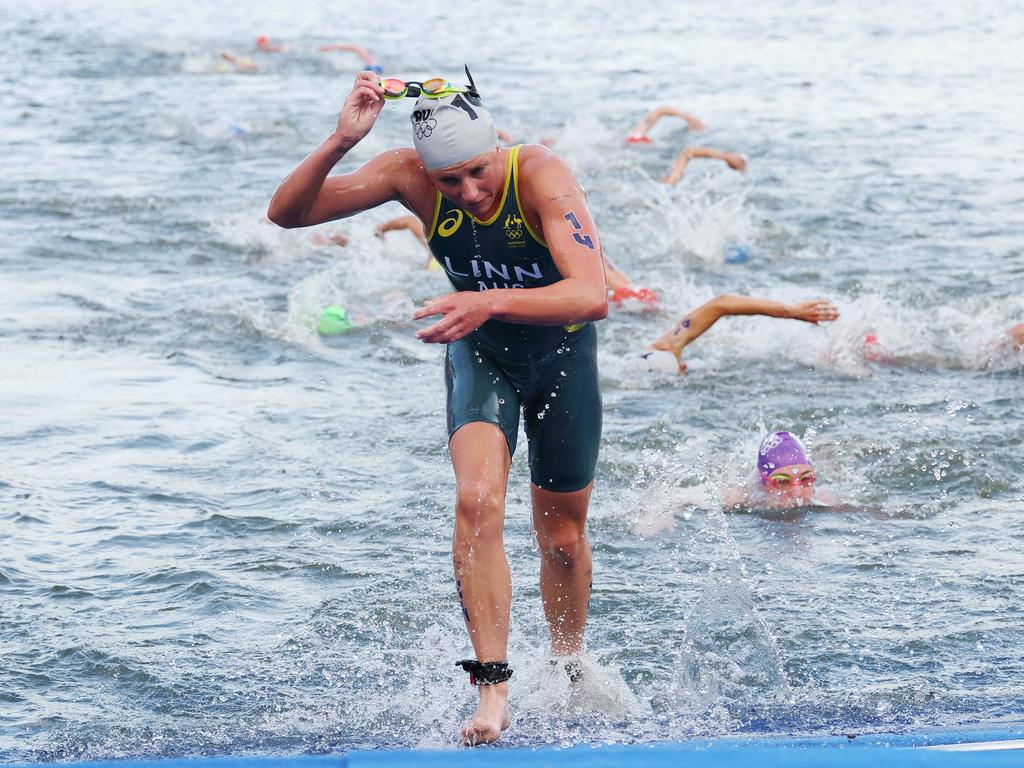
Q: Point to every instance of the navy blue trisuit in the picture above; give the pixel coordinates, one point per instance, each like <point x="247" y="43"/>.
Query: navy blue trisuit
<point x="547" y="371"/>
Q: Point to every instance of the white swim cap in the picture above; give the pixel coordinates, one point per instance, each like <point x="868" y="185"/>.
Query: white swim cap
<point x="660" y="361"/>
<point x="452" y="129"/>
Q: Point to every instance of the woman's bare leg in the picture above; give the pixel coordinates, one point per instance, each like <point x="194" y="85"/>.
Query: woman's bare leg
<point x="481" y="461"/>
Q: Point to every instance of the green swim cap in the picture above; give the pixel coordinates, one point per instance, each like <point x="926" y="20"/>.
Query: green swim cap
<point x="334" y="320"/>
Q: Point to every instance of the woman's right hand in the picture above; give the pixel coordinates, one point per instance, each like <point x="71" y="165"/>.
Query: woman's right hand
<point x="360" y="110"/>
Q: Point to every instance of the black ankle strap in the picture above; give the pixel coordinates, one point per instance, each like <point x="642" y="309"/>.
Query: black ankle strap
<point x="573" y="668"/>
<point x="485" y="672"/>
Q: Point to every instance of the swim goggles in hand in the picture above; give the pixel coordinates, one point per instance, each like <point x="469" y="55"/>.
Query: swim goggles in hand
<point x="434" y="88"/>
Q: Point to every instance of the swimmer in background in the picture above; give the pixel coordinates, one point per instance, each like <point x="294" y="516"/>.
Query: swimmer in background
<point x="678" y="168"/>
<point x="621" y="288"/>
<point x="786" y="478"/>
<point x="1009" y="342"/>
<point x="639" y="132"/>
<point x="372" y="65"/>
<point x="697" y="322"/>
<point x="414" y="225"/>
<point x="238" y="63"/>
<point x="265" y="45"/>
<point x="333" y="237"/>
<point x="410" y="223"/>
<point x="508" y="138"/>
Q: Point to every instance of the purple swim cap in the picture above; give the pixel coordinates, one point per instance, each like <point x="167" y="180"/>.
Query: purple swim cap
<point x="779" y="449"/>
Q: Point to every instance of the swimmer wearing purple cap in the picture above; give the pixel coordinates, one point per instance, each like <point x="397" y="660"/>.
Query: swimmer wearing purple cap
<point x="784" y="468"/>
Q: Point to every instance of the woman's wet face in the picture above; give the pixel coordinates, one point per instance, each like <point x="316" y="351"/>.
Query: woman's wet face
<point x="795" y="481"/>
<point x="475" y="185"/>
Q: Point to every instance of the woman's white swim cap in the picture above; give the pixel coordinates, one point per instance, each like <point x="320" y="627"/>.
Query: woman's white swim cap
<point x="451" y="129"/>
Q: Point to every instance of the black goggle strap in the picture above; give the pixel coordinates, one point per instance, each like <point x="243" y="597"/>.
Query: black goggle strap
<point x="471" y="88"/>
<point x="485" y="672"/>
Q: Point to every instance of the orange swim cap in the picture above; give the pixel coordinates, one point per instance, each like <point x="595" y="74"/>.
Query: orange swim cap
<point x="639" y="292"/>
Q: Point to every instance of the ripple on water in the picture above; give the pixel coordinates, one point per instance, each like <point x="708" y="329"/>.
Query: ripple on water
<point x="220" y="523"/>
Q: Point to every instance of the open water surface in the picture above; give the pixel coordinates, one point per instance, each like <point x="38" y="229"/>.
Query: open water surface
<point x="222" y="534"/>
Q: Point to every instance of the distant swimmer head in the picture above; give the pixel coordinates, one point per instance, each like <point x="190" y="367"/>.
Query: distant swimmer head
<point x="660" y="361"/>
<point x="450" y="125"/>
<point x="737" y="254"/>
<point x="779" y="449"/>
<point x="334" y="320"/>
<point x="875" y="351"/>
<point x="783" y="465"/>
<point x="638" y="138"/>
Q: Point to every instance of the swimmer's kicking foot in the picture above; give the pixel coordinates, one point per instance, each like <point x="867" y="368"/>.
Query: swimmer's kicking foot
<point x="491" y="716"/>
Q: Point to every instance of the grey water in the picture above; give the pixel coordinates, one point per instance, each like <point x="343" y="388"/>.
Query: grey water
<point x="223" y="534"/>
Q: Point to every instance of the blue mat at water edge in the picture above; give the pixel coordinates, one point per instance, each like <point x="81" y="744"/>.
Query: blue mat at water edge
<point x="975" y="748"/>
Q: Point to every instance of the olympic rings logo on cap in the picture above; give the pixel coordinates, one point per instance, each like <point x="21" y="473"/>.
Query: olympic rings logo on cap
<point x="425" y="128"/>
<point x="770" y="443"/>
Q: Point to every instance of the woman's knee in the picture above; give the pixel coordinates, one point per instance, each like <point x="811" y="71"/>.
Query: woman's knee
<point x="479" y="511"/>
<point x="565" y="548"/>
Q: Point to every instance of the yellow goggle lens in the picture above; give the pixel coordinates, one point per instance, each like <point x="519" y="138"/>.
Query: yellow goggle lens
<point x="394" y="87"/>
<point x="435" y="85"/>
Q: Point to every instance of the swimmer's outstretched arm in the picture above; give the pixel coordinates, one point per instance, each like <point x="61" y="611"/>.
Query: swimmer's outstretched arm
<point x="616" y="278"/>
<point x="694" y="324"/>
<point x="652" y="117"/>
<point x="675" y="173"/>
<point x="307" y="197"/>
<point x="358" y="50"/>
<point x="409" y="222"/>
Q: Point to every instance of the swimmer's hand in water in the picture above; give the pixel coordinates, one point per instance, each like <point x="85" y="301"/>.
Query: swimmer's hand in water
<point x="734" y="161"/>
<point x="360" y="110"/>
<point x="814" y="311"/>
<point x="464" y="312"/>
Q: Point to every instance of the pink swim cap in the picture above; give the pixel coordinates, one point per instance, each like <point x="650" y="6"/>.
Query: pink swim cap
<point x="638" y="138"/>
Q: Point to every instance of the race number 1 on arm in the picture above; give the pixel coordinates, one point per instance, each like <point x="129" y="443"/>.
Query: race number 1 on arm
<point x="550" y="194"/>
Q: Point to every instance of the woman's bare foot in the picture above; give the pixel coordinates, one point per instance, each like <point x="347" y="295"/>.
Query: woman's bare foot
<point x="491" y="716"/>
